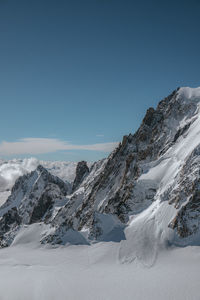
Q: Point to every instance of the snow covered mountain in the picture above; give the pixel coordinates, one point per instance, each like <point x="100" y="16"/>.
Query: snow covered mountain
<point x="145" y="195"/>
<point x="11" y="170"/>
<point x="34" y="197"/>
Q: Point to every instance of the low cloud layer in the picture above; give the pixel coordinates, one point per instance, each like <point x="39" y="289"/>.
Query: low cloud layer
<point x="35" y="146"/>
<point x="11" y="170"/>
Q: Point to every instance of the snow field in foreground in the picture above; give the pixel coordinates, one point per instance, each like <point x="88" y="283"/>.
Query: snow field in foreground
<point x="94" y="272"/>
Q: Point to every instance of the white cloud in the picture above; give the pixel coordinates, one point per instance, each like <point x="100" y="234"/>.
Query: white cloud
<point x="35" y="146"/>
<point x="11" y="170"/>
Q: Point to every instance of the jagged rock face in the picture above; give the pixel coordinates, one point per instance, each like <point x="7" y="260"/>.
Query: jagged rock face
<point x="32" y="200"/>
<point x="82" y="171"/>
<point x="116" y="189"/>
<point x="187" y="220"/>
<point x="10" y="220"/>
<point x="186" y="197"/>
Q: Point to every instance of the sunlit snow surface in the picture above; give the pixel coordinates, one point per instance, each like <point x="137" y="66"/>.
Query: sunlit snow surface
<point x="29" y="271"/>
<point x="189" y="93"/>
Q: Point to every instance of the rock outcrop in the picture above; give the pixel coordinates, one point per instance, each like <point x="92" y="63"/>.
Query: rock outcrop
<point x="33" y="199"/>
<point x="119" y="189"/>
<point x="82" y="171"/>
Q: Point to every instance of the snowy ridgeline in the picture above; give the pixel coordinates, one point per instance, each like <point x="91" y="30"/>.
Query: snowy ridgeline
<point x="121" y="220"/>
<point x="10" y="170"/>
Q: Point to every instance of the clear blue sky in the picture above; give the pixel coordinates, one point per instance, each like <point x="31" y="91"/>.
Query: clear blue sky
<point x="82" y="72"/>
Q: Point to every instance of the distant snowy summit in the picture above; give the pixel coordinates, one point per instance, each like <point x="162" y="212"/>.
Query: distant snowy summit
<point x="146" y="194"/>
<point x="10" y="170"/>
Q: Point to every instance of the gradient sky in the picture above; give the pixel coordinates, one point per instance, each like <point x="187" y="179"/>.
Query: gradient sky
<point x="76" y="75"/>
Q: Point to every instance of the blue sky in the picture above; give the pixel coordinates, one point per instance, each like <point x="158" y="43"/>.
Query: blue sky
<point x="77" y="75"/>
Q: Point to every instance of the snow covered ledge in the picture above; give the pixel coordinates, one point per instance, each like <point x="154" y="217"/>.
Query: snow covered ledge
<point x="189" y="93"/>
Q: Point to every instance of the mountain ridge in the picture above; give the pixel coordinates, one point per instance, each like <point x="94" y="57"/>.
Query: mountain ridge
<point x="146" y="191"/>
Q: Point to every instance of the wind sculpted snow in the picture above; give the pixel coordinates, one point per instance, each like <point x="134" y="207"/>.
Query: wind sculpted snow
<point x="93" y="272"/>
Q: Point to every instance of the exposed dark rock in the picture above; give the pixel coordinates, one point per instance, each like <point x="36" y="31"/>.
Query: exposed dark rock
<point x="82" y="171"/>
<point x="34" y="194"/>
<point x="187" y="220"/>
<point x="44" y="204"/>
<point x="10" y="218"/>
<point x="181" y="131"/>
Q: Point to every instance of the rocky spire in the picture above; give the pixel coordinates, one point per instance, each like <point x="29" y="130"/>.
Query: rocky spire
<point x="82" y="171"/>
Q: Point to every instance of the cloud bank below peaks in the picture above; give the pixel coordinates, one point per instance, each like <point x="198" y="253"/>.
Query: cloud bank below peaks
<point x="35" y="146"/>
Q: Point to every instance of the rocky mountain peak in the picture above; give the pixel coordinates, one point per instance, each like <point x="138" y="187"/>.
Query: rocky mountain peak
<point x="118" y="189"/>
<point x="82" y="171"/>
<point x="33" y="199"/>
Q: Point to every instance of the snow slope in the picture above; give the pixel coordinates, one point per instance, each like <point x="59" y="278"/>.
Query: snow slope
<point x="149" y="231"/>
<point x="145" y="183"/>
<point x="94" y="272"/>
